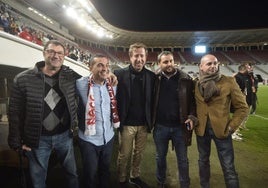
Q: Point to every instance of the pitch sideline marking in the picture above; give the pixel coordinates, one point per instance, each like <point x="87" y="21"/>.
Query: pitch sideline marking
<point x="261" y="117"/>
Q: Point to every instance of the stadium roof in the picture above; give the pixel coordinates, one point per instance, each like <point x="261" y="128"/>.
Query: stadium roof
<point x="205" y="33"/>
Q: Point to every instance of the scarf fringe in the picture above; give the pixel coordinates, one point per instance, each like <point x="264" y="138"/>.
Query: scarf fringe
<point x="90" y="130"/>
<point x="116" y="125"/>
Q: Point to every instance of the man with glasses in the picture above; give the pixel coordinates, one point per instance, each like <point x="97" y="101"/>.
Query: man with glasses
<point x="42" y="115"/>
<point x="214" y="94"/>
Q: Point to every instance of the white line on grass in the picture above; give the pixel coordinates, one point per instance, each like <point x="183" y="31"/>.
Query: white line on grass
<point x="261" y="117"/>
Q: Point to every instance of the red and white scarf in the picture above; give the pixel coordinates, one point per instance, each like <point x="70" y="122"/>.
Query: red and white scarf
<point x="90" y="116"/>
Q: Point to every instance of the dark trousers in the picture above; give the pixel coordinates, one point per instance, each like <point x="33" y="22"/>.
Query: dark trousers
<point x="96" y="162"/>
<point x="162" y="135"/>
<point x="254" y="103"/>
<point x="226" y="156"/>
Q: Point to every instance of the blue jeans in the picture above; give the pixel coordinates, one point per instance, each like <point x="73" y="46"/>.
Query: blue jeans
<point x="226" y="156"/>
<point x="162" y="135"/>
<point x="38" y="159"/>
<point x="96" y="163"/>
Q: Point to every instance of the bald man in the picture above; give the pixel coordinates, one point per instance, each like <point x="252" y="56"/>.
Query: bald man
<point x="214" y="94"/>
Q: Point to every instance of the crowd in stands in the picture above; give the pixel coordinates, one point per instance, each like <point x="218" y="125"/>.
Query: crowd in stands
<point x="12" y="24"/>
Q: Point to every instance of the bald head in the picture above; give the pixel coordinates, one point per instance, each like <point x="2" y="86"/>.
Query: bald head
<point x="209" y="64"/>
<point x="207" y="58"/>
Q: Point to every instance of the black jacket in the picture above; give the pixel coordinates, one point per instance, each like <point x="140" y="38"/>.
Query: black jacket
<point x="187" y="106"/>
<point x="123" y="94"/>
<point x="27" y="100"/>
<point x="242" y="80"/>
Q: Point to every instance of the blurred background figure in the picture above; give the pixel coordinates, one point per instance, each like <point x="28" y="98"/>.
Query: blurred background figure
<point x="252" y="88"/>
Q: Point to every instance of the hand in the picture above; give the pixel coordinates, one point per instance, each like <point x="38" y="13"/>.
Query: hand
<point x="189" y="124"/>
<point x="23" y="148"/>
<point x="26" y="148"/>
<point x="112" y="79"/>
<point x="231" y="131"/>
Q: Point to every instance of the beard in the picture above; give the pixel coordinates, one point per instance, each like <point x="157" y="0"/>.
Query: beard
<point x="169" y="70"/>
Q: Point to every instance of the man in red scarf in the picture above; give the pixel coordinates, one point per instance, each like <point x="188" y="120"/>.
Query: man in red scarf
<point x="97" y="118"/>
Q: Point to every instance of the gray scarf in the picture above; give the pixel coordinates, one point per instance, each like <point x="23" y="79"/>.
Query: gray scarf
<point x="207" y="85"/>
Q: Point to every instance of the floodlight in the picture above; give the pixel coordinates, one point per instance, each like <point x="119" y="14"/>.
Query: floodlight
<point x="200" y="49"/>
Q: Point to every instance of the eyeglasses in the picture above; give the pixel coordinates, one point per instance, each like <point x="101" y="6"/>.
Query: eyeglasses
<point x="53" y="53"/>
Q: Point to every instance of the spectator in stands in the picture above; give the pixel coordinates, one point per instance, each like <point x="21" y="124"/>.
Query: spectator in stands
<point x="26" y="34"/>
<point x="50" y="36"/>
<point x="97" y="118"/>
<point x="36" y="38"/>
<point x="13" y="27"/>
<point x="73" y="55"/>
<point x="252" y="89"/>
<point x="42" y="115"/>
<point x="5" y="22"/>
<point x="174" y="107"/>
<point x="45" y="39"/>
<point x="1" y="22"/>
<point x="214" y="94"/>
<point x="134" y="96"/>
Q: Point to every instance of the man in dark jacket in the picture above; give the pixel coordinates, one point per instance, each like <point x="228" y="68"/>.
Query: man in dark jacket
<point x="252" y="88"/>
<point x="173" y="117"/>
<point x="134" y="99"/>
<point x="242" y="80"/>
<point x="42" y="115"/>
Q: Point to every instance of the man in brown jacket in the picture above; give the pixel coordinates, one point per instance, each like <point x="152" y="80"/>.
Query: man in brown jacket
<point x="214" y="93"/>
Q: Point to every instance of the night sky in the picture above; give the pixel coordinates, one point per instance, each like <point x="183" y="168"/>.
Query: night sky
<point x="183" y="15"/>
